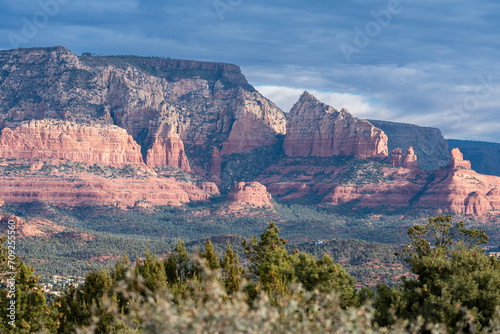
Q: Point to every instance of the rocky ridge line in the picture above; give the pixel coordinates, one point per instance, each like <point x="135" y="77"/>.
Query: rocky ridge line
<point x="316" y="129"/>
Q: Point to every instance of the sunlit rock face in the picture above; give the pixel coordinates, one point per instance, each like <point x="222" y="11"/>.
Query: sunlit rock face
<point x="315" y="129"/>
<point x="171" y="108"/>
<point x="253" y="193"/>
<point x="105" y="144"/>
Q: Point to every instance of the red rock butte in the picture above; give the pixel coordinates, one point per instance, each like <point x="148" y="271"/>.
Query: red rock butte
<point x="397" y="157"/>
<point x="411" y="161"/>
<point x="105" y="144"/>
<point x="316" y="129"/>
<point x="457" y="160"/>
<point x="168" y="151"/>
<point x="460" y="189"/>
<point x="253" y="194"/>
<point x="168" y="106"/>
<point x="152" y="112"/>
<point x="94" y="190"/>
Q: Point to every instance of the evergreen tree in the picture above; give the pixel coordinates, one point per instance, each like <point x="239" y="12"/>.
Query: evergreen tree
<point x="78" y="305"/>
<point x="119" y="275"/>
<point x="32" y="313"/>
<point x="326" y="276"/>
<point x="232" y="271"/>
<point x="179" y="267"/>
<point x="271" y="265"/>
<point x="455" y="281"/>
<point x="210" y="256"/>
<point x="152" y="271"/>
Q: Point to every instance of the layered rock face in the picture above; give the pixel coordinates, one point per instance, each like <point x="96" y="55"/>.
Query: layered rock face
<point x="397" y="157"/>
<point x="93" y="190"/>
<point x="457" y="160"/>
<point x="315" y="129"/>
<point x="484" y="156"/>
<point x="215" y="162"/>
<point x="209" y="187"/>
<point x="460" y="189"/>
<point x="253" y="193"/>
<point x="397" y="193"/>
<point x="370" y="183"/>
<point x="256" y="124"/>
<point x="168" y="152"/>
<point x="477" y="204"/>
<point x="202" y="104"/>
<point x="105" y="144"/>
<point x="411" y="161"/>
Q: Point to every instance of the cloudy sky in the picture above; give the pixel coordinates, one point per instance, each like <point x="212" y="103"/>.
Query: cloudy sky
<point x="431" y="63"/>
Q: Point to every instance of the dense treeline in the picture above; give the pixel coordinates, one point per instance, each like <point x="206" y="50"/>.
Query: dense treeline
<point x="455" y="288"/>
<point x="115" y="232"/>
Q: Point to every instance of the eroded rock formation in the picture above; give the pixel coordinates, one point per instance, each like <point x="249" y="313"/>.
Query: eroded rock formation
<point x="397" y="157"/>
<point x="477" y="204"/>
<point x="253" y="193"/>
<point x="457" y="160"/>
<point x="209" y="187"/>
<point x="462" y="190"/>
<point x="410" y="159"/>
<point x="315" y="129"/>
<point x="215" y="162"/>
<point x="257" y="121"/>
<point x="200" y="103"/>
<point x="105" y="144"/>
<point x="429" y="144"/>
<point x="168" y="151"/>
<point x="94" y="190"/>
<point x="398" y="192"/>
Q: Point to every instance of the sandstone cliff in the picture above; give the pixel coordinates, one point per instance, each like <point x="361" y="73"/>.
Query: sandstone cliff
<point x="462" y="190"/>
<point x="253" y="194"/>
<point x="484" y="156"/>
<point x="133" y="111"/>
<point x="215" y="162"/>
<point x="397" y="157"/>
<point x="94" y="190"/>
<point x="209" y="187"/>
<point x="202" y="105"/>
<point x="105" y="144"/>
<point x="411" y="161"/>
<point x="371" y="183"/>
<point x="336" y="180"/>
<point x="168" y="151"/>
<point x="457" y="160"/>
<point x="315" y="129"/>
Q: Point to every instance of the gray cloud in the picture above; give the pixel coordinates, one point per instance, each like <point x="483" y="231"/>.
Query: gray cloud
<point x="421" y="67"/>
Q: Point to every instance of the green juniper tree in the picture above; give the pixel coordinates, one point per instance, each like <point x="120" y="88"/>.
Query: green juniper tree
<point x="271" y="267"/>
<point x="232" y="271"/>
<point x="78" y="305"/>
<point x="33" y="314"/>
<point x="455" y="283"/>
<point x="210" y="256"/>
<point x="152" y="271"/>
<point x="326" y="276"/>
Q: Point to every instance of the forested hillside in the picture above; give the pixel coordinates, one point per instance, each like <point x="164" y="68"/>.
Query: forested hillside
<point x="455" y="288"/>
